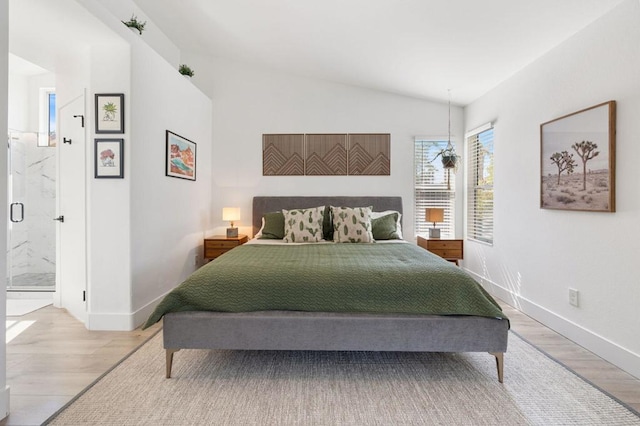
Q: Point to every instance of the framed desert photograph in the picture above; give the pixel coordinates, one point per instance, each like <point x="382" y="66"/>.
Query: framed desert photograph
<point x="578" y="160"/>
<point x="180" y="157"/>
<point x="109" y="113"/>
<point x="109" y="158"/>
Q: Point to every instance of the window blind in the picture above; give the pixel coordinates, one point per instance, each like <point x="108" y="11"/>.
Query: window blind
<point x="431" y="188"/>
<point x="480" y="186"/>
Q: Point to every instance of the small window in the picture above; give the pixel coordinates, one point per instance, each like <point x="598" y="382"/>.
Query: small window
<point x="434" y="186"/>
<point x="47" y="135"/>
<point x="480" y="185"/>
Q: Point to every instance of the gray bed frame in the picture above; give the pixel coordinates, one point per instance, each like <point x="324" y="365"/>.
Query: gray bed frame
<point x="325" y="331"/>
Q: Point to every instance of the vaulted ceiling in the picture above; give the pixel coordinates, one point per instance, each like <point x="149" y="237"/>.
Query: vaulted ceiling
<point x="417" y="48"/>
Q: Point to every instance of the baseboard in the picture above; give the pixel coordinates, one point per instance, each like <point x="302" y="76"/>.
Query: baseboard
<point x="122" y="321"/>
<point x="30" y="295"/>
<point x="141" y="315"/>
<point x="599" y="345"/>
<point x="4" y="403"/>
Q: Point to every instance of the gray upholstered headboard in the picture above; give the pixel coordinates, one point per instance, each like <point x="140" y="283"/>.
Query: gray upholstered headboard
<point x="262" y="205"/>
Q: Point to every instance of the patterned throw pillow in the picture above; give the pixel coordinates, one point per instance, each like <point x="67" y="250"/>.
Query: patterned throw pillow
<point x="352" y="225"/>
<point x="303" y="225"/>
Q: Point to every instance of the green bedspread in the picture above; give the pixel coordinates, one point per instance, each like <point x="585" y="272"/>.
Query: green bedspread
<point x="381" y="278"/>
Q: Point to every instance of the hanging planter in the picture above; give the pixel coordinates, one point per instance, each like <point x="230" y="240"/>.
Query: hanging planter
<point x="450" y="160"/>
<point x="448" y="155"/>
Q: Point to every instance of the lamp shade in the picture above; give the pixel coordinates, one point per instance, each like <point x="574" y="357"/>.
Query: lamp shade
<point x="231" y="213"/>
<point x="434" y="215"/>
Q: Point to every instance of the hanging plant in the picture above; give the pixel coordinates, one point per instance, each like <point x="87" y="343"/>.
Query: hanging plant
<point x="133" y="23"/>
<point x="185" y="70"/>
<point x="449" y="158"/>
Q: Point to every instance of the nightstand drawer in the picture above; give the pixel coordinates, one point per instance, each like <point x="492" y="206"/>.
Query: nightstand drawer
<point x="217" y="244"/>
<point x="210" y="253"/>
<point x="444" y="245"/>
<point x="447" y="254"/>
<point x="452" y="250"/>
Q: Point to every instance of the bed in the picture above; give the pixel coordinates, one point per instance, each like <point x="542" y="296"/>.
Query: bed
<point x="247" y="322"/>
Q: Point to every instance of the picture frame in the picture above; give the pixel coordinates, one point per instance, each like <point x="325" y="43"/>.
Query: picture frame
<point x="109" y="113"/>
<point x="180" y="157"/>
<point x="109" y="158"/>
<point x="577" y="160"/>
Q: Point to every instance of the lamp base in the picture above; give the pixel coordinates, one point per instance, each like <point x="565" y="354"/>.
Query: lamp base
<point x="232" y="232"/>
<point x="434" y="233"/>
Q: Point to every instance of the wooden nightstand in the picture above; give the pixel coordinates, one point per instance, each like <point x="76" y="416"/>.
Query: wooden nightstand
<point x="452" y="250"/>
<point x="219" y="244"/>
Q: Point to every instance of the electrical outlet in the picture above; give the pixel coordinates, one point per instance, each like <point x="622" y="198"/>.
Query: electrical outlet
<point x="573" y="297"/>
<point x="196" y="260"/>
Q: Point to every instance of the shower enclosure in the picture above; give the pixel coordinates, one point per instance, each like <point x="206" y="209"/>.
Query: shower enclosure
<point x="31" y="248"/>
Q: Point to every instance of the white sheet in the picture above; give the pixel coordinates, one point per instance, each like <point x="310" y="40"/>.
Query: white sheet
<point x="281" y="242"/>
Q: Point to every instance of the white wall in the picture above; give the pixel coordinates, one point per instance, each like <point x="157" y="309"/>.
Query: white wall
<point x="24" y="100"/>
<point x="169" y="216"/>
<point x="249" y="101"/>
<point x="538" y="254"/>
<point x="144" y="231"/>
<point x="19" y="103"/>
<point x="122" y="10"/>
<point x="4" y="102"/>
<point x="108" y="209"/>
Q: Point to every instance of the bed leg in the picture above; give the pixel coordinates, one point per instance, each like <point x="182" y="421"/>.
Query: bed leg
<point x="170" y="353"/>
<point x="499" y="364"/>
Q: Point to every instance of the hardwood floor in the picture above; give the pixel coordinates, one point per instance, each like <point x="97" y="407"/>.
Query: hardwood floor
<point x="55" y="358"/>
<point x="601" y="373"/>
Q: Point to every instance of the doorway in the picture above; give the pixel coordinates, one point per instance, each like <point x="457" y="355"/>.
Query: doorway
<point x="31" y="248"/>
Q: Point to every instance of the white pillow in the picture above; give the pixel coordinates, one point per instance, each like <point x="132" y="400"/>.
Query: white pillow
<point x="303" y="225"/>
<point x="352" y="225"/>
<point x="375" y="215"/>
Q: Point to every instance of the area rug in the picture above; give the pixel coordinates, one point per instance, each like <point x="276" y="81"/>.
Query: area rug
<point x="341" y="388"/>
<point x="19" y="307"/>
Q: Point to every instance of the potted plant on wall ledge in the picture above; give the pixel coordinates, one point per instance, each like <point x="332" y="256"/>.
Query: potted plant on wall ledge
<point x="186" y="71"/>
<point x="134" y="24"/>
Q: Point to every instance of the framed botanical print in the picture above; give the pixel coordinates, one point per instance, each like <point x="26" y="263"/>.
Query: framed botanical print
<point x="109" y="113"/>
<point x="109" y="158"/>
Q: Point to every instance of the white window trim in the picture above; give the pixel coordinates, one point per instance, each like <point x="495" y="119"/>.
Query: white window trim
<point x="468" y="134"/>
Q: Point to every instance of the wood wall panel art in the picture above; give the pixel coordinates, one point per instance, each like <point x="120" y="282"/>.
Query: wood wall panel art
<point x="283" y="155"/>
<point x="369" y="154"/>
<point x="325" y="154"/>
<point x="355" y="154"/>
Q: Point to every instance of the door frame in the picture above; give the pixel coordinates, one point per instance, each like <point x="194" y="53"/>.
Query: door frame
<point x="57" y="296"/>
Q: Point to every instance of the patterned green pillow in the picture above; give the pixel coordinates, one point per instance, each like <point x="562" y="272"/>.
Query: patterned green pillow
<point x="351" y="225"/>
<point x="303" y="225"/>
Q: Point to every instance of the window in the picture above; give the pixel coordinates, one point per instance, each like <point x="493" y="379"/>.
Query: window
<point x="47" y="133"/>
<point x="434" y="186"/>
<point x="480" y="185"/>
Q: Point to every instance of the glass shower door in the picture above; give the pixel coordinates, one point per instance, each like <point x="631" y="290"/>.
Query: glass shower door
<point x="31" y="251"/>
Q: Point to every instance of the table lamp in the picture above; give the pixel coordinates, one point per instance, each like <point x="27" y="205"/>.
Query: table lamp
<point x="434" y="215"/>
<point x="231" y="214"/>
